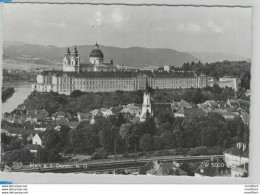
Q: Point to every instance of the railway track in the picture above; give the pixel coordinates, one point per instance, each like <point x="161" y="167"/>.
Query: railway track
<point x="116" y="165"/>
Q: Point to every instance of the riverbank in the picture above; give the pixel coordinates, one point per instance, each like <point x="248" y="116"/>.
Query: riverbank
<point x="7" y="93"/>
<point x="21" y="91"/>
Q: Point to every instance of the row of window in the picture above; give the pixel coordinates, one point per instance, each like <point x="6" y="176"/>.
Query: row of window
<point x="154" y="80"/>
<point x="105" y="87"/>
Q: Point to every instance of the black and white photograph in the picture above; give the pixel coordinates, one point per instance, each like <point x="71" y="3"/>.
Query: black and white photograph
<point x="126" y="90"/>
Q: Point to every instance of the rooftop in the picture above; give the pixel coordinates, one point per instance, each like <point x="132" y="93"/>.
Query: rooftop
<point x="191" y="112"/>
<point x="122" y="74"/>
<point x="237" y="152"/>
<point x="241" y="168"/>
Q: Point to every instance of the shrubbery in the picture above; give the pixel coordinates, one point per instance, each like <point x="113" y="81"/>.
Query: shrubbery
<point x="100" y="153"/>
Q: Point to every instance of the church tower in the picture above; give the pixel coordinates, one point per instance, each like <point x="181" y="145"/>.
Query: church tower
<point x="75" y="60"/>
<point x="147" y="106"/>
<point x="71" y="62"/>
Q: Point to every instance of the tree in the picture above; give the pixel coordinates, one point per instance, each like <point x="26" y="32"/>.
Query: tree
<point x="216" y="89"/>
<point x="130" y="134"/>
<point x="100" y="153"/>
<point x="157" y="142"/>
<point x="125" y="133"/>
<point x="17" y="156"/>
<point x="209" y="136"/>
<point x="165" y="127"/>
<point x="177" y="124"/>
<point x="107" y="137"/>
<point x="63" y="136"/>
<point x="194" y="96"/>
<point x="146" y="143"/>
<point x="13" y="156"/>
<point x="5" y="139"/>
<point x="76" y="93"/>
<point x="73" y="140"/>
<point x="27" y="157"/>
<point x="84" y="139"/>
<point x="120" y="120"/>
<point x="42" y="155"/>
<point x="167" y="139"/>
<point x="189" y="138"/>
<point x="54" y="156"/>
<point x="165" y="117"/>
<point x="218" y="122"/>
<point x="115" y="130"/>
<point x="148" y="126"/>
<point x="245" y="79"/>
<point x="177" y="134"/>
<point x="246" y="135"/>
<point x="50" y="139"/>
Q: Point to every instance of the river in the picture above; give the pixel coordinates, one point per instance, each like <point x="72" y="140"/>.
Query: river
<point x="21" y="91"/>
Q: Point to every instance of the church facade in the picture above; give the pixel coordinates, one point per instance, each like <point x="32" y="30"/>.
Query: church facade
<point x="71" y="62"/>
<point x="98" y="76"/>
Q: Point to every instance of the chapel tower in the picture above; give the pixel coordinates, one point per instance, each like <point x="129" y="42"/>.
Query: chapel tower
<point x="147" y="106"/>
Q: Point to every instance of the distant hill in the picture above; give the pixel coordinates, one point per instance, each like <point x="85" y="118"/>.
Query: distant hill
<point x="132" y="57"/>
<point x="52" y="56"/>
<point x="211" y="57"/>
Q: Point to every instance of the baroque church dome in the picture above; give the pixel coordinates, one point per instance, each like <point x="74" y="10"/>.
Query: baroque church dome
<point x="96" y="52"/>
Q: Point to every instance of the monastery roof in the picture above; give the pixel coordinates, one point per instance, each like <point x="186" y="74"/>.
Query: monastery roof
<point x="169" y="74"/>
<point x="87" y="64"/>
<point x="122" y="74"/>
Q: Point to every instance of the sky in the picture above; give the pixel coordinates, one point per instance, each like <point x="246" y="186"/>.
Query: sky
<point x="183" y="28"/>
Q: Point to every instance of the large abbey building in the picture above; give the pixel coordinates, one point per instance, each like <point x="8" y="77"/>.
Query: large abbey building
<point x="99" y="76"/>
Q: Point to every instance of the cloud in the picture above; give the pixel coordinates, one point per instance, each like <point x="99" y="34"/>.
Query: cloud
<point x="105" y="18"/>
<point x="189" y="28"/>
<point x="56" y="24"/>
<point x="194" y="28"/>
<point x="181" y="28"/>
<point x="214" y="27"/>
<point x="117" y="17"/>
<point x="98" y="18"/>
